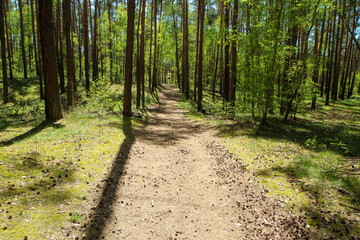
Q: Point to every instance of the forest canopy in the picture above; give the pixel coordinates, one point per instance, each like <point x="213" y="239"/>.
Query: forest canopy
<point x="254" y="57"/>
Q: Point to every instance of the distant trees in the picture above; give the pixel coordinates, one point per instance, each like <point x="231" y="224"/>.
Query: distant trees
<point x="272" y="57"/>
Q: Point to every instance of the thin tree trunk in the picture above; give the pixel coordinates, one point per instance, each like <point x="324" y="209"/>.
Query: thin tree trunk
<point x="176" y="47"/>
<point x="41" y="73"/>
<point x="70" y="64"/>
<point x="129" y="57"/>
<point x="340" y="36"/>
<point x="95" y="59"/>
<point x="79" y="41"/>
<point x="330" y="65"/>
<point x="327" y="41"/>
<point x="138" y="81"/>
<point x="22" y="39"/>
<point x="154" y="80"/>
<point x="86" y="46"/>
<point x="59" y="49"/>
<point x="201" y="43"/>
<point x="215" y="71"/>
<point x="8" y="42"/>
<point x="34" y="36"/>
<point x="352" y="82"/>
<point x="3" y="54"/>
<point x="227" y="56"/>
<point x="110" y="44"/>
<point x="153" y="2"/>
<point x="221" y="85"/>
<point x="197" y="51"/>
<point x="142" y="54"/>
<point x="233" y="55"/>
<point x="187" y="81"/>
<point x="315" y="73"/>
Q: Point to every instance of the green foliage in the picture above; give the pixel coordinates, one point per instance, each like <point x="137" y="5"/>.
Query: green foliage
<point x="105" y="97"/>
<point x="314" y="144"/>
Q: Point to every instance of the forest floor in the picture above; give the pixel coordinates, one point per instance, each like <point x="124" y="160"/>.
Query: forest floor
<point x="175" y="173"/>
<point x="173" y="180"/>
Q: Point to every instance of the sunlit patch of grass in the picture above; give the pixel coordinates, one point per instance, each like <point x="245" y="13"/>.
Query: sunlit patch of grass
<point x="52" y="173"/>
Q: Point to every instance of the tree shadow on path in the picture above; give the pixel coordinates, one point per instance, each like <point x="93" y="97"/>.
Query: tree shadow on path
<point x="108" y="196"/>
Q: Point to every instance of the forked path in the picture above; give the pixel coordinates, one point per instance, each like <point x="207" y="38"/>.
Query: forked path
<point x="177" y="183"/>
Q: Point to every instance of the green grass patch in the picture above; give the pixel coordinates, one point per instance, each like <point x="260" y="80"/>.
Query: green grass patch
<point x="46" y="177"/>
<point x="49" y="172"/>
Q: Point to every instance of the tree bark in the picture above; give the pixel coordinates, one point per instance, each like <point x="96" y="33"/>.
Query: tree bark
<point x="86" y="46"/>
<point x="8" y="42"/>
<point x="52" y="97"/>
<point x="142" y="54"/>
<point x="110" y="43"/>
<point x="70" y="63"/>
<point x="22" y="40"/>
<point x="138" y="81"/>
<point x="41" y="80"/>
<point x="227" y="55"/>
<point x="176" y="47"/>
<point x="153" y="2"/>
<point x="201" y="43"/>
<point x="197" y="50"/>
<point x="59" y="48"/>
<point x="3" y="54"/>
<point x="233" y="54"/>
<point x="95" y="59"/>
<point x="129" y="57"/>
<point x="154" y="80"/>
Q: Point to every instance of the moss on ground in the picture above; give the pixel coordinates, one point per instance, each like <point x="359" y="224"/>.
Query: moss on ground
<point x="312" y="163"/>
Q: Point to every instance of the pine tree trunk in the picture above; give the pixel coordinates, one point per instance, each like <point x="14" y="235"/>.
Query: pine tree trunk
<point x="22" y="40"/>
<point x="3" y="54"/>
<point x="52" y="96"/>
<point x="34" y="37"/>
<point x="215" y="71"/>
<point x="352" y="82"/>
<point x="153" y="2"/>
<point x="327" y="42"/>
<point x="95" y="59"/>
<point x="227" y="55"/>
<point x="315" y="73"/>
<point x="187" y="81"/>
<point x="176" y="47"/>
<point x="86" y="47"/>
<point x="340" y="36"/>
<point x="59" y="49"/>
<point x="154" y="80"/>
<point x="70" y="64"/>
<point x="138" y="82"/>
<point x="142" y="54"/>
<point x="330" y="64"/>
<point x="129" y="57"/>
<point x="197" y="51"/>
<point x="201" y="43"/>
<point x="41" y="73"/>
<point x="110" y="44"/>
<point x="233" y="54"/>
<point x="8" y="42"/>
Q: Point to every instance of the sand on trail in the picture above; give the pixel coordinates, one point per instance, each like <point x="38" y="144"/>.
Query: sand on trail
<point x="176" y="182"/>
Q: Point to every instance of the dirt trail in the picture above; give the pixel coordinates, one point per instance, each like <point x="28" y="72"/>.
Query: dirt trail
<point x="177" y="183"/>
